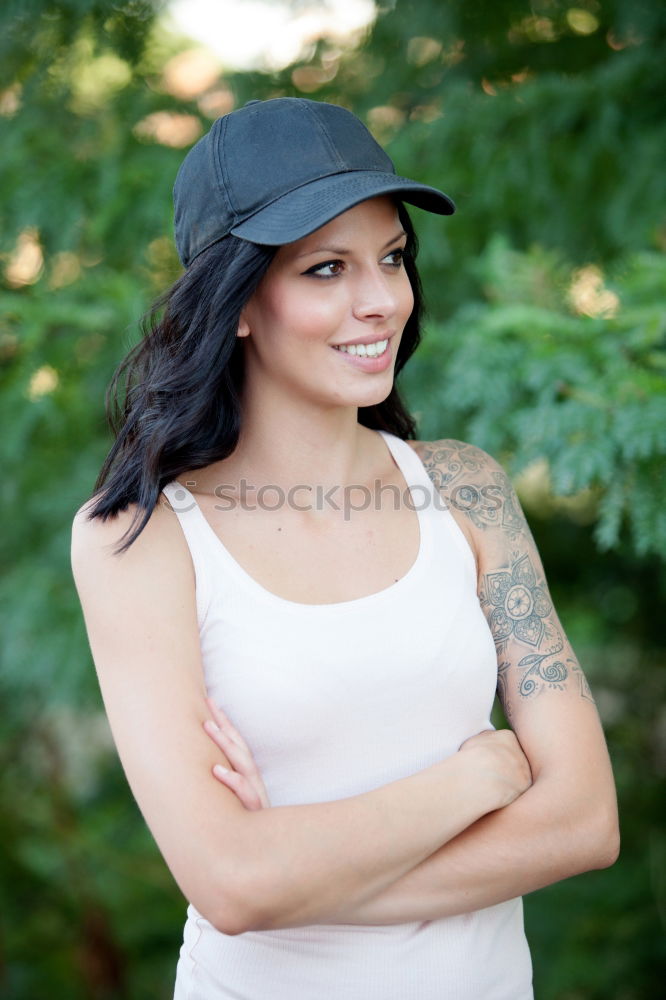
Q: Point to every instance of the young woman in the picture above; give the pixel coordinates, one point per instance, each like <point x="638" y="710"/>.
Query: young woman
<point x="299" y="615"/>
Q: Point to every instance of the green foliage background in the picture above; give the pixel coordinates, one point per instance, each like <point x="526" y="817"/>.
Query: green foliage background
<point x="545" y="344"/>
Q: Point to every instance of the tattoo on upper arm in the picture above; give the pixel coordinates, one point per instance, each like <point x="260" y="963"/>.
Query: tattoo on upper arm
<point x="519" y="609"/>
<point x="456" y="468"/>
<point x="515" y="599"/>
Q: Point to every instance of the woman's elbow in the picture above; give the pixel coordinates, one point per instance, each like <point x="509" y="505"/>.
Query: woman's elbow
<point x="227" y="914"/>
<point x="236" y="904"/>
<point x="216" y="891"/>
<point x="231" y="922"/>
<point x="239" y="918"/>
<point x="602" y="839"/>
<point x="609" y="845"/>
<point x="262" y="905"/>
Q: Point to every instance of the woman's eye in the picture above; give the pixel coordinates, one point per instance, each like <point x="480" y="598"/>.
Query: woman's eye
<point x="333" y="268"/>
<point x="395" y="258"/>
<point x="330" y="269"/>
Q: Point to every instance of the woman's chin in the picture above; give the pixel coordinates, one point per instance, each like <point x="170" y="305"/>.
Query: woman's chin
<point x="376" y="389"/>
<point x="361" y="400"/>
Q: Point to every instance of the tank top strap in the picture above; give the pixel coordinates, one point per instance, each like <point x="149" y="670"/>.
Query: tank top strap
<point x="409" y="463"/>
<point x="435" y="511"/>
<point x="197" y="535"/>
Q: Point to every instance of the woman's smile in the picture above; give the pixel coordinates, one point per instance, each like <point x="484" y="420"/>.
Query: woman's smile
<point x="372" y="348"/>
<point x="375" y="356"/>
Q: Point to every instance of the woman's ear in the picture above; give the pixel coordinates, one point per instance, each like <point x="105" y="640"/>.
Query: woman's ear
<point x="243" y="326"/>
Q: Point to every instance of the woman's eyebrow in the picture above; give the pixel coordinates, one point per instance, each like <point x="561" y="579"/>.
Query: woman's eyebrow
<point x="341" y="252"/>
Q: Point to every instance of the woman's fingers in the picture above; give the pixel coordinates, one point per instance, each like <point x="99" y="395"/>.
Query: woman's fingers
<point x="230" y="730"/>
<point x="239" y="757"/>
<point x="250" y="789"/>
<point x="502" y="759"/>
<point x="240" y="786"/>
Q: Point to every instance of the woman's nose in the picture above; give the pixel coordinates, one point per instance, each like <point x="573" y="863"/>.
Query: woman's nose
<point x="375" y="295"/>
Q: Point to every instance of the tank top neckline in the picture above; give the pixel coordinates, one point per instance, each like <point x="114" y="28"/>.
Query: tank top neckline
<point x="414" y="474"/>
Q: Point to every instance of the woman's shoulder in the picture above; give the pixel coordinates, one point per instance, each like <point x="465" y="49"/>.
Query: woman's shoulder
<point x="475" y="488"/>
<point x="92" y="523"/>
<point x="97" y="542"/>
<point x="449" y="462"/>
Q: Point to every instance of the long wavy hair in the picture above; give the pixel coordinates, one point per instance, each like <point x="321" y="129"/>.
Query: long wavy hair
<point x="173" y="403"/>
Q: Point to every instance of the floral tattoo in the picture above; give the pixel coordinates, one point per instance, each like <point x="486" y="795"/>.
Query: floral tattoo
<point x="515" y="597"/>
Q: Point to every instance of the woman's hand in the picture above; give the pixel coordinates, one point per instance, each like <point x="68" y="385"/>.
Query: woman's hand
<point x="244" y="780"/>
<point x="501" y="760"/>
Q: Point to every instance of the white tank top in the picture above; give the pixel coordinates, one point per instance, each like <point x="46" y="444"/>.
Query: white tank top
<point x="335" y="700"/>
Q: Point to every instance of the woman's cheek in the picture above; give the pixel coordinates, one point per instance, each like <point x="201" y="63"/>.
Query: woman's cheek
<point x="320" y="318"/>
<point x="408" y="300"/>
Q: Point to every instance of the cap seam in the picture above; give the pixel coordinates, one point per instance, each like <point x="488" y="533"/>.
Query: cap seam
<point x="220" y="168"/>
<point x="329" y="141"/>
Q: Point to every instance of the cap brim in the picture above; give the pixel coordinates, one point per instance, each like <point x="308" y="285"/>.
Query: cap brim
<point x="300" y="212"/>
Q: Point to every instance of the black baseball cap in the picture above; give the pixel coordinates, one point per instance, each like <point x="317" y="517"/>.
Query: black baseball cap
<point x="274" y="171"/>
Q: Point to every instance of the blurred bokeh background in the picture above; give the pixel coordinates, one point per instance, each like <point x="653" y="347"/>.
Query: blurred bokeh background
<point x="545" y="344"/>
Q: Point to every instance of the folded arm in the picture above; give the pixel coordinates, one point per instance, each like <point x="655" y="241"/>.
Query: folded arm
<point x="566" y="823"/>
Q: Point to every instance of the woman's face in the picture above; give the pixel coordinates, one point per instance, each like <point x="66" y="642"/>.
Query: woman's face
<point x="325" y="323"/>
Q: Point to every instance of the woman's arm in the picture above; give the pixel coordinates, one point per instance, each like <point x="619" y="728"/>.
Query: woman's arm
<point x="566" y="823"/>
<point x="248" y="869"/>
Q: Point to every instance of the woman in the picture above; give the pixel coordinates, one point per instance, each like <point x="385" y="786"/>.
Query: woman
<point x="349" y="597"/>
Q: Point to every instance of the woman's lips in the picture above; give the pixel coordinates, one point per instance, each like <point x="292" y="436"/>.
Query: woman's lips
<point x="367" y="362"/>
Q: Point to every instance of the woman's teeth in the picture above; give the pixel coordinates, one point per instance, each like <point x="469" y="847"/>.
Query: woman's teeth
<point x="364" y="350"/>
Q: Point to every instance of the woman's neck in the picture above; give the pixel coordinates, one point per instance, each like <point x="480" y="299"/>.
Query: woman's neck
<point x="302" y="445"/>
